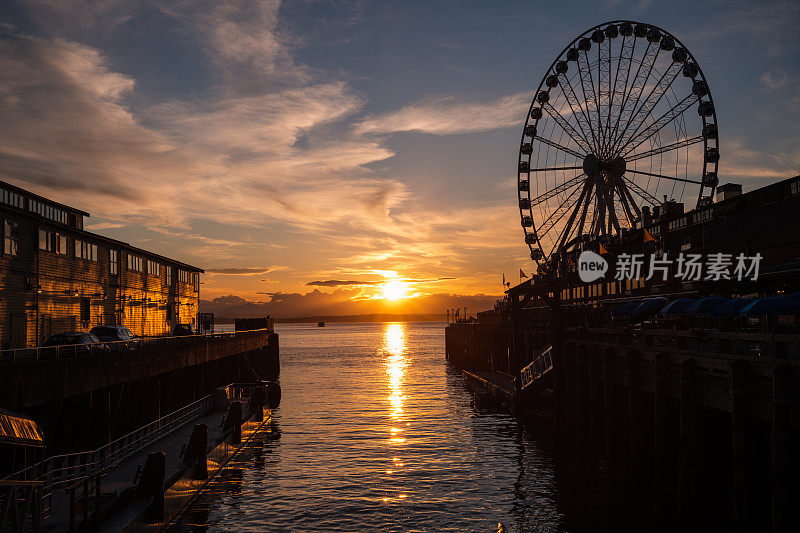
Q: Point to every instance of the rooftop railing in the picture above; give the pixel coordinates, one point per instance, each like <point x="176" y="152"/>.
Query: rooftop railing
<point x="49" y="353"/>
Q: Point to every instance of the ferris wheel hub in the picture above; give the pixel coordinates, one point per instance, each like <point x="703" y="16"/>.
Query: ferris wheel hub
<point x="612" y="168"/>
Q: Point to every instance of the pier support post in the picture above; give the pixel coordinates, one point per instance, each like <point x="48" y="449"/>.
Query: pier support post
<point x="582" y="400"/>
<point x="664" y="482"/>
<point x="741" y="422"/>
<point x="570" y="394"/>
<point x="637" y="429"/>
<point x="194" y="456"/>
<point x="233" y="421"/>
<point x="256" y="403"/>
<point x="686" y="446"/>
<point x="596" y="404"/>
<point x="781" y="474"/>
<point x="151" y="485"/>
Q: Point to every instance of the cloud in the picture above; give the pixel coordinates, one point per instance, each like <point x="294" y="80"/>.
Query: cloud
<point x="447" y="115"/>
<point x="342" y="283"/>
<point x="774" y="80"/>
<point x="238" y="271"/>
<point x="339" y="302"/>
<point x="353" y="283"/>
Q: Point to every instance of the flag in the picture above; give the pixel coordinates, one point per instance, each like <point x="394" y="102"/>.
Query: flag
<point x="647" y="236"/>
<point x="504" y="279"/>
<point x="602" y="249"/>
<point x="522" y="274"/>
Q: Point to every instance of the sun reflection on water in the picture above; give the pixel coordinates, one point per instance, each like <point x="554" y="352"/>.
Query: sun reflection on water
<point x="395" y="347"/>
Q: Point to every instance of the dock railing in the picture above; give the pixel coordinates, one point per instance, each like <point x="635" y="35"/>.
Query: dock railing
<point x="537" y="368"/>
<point x="47" y="353"/>
<point x="61" y="471"/>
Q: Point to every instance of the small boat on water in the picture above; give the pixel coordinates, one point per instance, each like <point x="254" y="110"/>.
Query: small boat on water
<point x="320" y="324"/>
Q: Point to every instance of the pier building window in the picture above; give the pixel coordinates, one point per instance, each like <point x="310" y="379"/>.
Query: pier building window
<point x="51" y="241"/>
<point x="702" y="216"/>
<point x="168" y="274"/>
<point x="11" y="198"/>
<point x="794" y="187"/>
<point x="86" y="311"/>
<point x="48" y="211"/>
<point x="113" y="262"/>
<point x="85" y="250"/>
<point x="677" y="223"/>
<point x="10" y="237"/>
<point x="135" y="263"/>
<point x="153" y="268"/>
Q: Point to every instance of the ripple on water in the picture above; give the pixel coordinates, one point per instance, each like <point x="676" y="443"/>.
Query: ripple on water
<point x="377" y="433"/>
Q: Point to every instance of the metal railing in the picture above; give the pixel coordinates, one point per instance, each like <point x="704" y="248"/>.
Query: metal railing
<point x="42" y="353"/>
<point x="67" y="469"/>
<point x="537" y="368"/>
<point x="20" y="505"/>
<point x="784" y="347"/>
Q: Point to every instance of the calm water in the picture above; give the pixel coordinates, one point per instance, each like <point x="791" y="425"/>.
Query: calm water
<point x="378" y="434"/>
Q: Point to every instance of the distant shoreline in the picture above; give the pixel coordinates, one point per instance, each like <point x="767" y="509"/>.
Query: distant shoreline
<point x="378" y="317"/>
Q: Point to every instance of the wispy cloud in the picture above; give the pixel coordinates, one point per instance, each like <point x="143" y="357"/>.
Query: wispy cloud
<point x="448" y="115"/>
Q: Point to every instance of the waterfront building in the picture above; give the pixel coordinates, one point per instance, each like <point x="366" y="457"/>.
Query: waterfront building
<point x="56" y="277"/>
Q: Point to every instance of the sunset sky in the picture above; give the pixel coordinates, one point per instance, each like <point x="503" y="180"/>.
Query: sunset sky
<point x="305" y="153"/>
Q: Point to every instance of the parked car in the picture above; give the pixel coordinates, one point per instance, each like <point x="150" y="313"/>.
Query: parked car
<point x="75" y="343"/>
<point x="115" y="335"/>
<point x="181" y="330"/>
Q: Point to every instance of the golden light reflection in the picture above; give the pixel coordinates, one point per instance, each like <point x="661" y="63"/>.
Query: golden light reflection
<point x="395" y="348"/>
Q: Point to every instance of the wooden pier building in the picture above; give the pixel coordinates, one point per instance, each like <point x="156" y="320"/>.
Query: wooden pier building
<point x="57" y="277"/>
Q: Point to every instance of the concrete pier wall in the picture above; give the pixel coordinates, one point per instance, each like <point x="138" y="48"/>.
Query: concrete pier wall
<point x="84" y="402"/>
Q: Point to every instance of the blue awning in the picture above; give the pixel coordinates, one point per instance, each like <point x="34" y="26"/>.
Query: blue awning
<point x="648" y="307"/>
<point x="677" y="306"/>
<point x="704" y="305"/>
<point x="731" y="307"/>
<point x="625" y="309"/>
<point x="772" y="304"/>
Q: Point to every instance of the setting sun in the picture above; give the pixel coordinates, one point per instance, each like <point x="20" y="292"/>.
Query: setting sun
<point x="394" y="290"/>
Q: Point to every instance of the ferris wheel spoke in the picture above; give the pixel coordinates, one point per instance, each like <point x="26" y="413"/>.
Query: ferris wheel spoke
<point x="662" y="176"/>
<point x="625" y="192"/>
<point x="573" y="103"/>
<point x="637" y="87"/>
<point x="613" y="96"/>
<point x="627" y="55"/>
<point x="544" y="169"/>
<point x="631" y="211"/>
<point x="557" y="146"/>
<point x="651" y="102"/>
<point x="586" y="99"/>
<point x="551" y="222"/>
<point x="673" y="113"/>
<point x="577" y="180"/>
<point x="640" y="82"/>
<point x="565" y="125"/>
<point x="586" y="204"/>
<point x="568" y="228"/>
<point x="666" y="148"/>
<point x="600" y="134"/>
<point x="606" y="197"/>
<point x="641" y="193"/>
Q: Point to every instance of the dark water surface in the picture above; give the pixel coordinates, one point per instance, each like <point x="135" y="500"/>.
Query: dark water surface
<point x="379" y="434"/>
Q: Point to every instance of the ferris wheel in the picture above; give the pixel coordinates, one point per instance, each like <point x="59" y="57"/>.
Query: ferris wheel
<point x="612" y="127"/>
